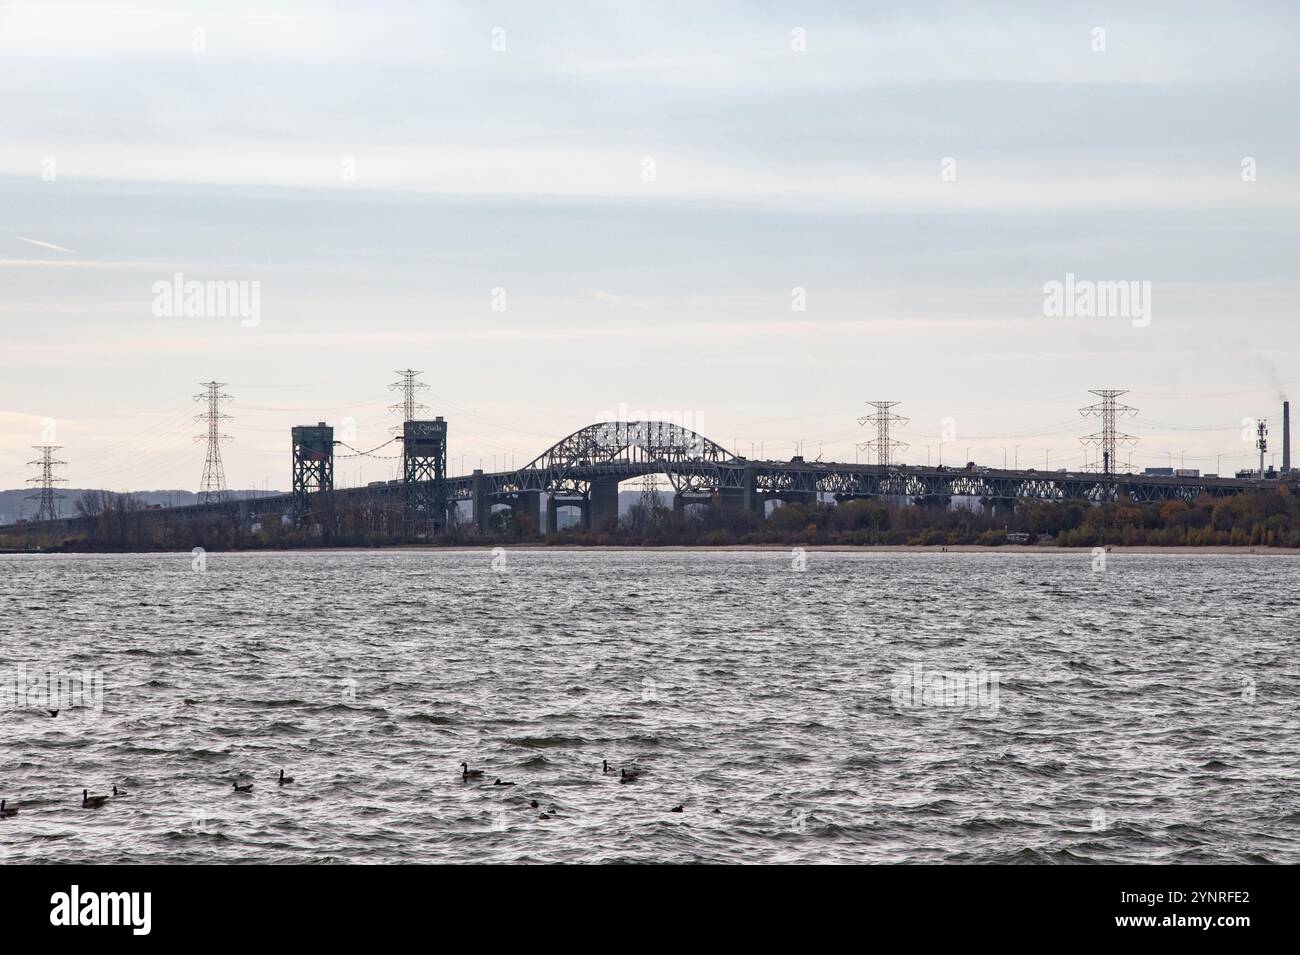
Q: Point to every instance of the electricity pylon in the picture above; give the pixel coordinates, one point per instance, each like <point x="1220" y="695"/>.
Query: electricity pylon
<point x="212" y="486"/>
<point x="882" y="418"/>
<point x="1108" y="438"/>
<point x="47" y="507"/>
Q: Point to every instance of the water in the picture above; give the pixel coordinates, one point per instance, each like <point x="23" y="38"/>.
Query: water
<point x="1147" y="713"/>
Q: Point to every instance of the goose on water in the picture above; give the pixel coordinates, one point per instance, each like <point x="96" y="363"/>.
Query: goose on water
<point x="284" y="780"/>
<point x="467" y="773"/>
<point x="605" y="767"/>
<point x="625" y="777"/>
<point x="500" y="783"/>
<point x="246" y="788"/>
<point x="6" y="813"/>
<point x="91" y="802"/>
<point x="119" y="792"/>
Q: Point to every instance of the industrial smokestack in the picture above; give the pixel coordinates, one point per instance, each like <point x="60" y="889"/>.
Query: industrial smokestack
<point x="1286" y="436"/>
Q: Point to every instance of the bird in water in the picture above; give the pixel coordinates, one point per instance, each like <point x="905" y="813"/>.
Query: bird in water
<point x="285" y="780"/>
<point x="500" y="783"/>
<point x="605" y="767"/>
<point x="625" y="777"/>
<point x="246" y="788"/>
<point x="91" y="802"/>
<point x="678" y="809"/>
<point x="535" y="804"/>
<point x="120" y="792"/>
<point x="52" y="712"/>
<point x="467" y="773"/>
<point x="6" y="813"/>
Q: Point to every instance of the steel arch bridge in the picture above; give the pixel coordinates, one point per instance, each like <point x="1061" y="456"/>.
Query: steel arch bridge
<point x="584" y="470"/>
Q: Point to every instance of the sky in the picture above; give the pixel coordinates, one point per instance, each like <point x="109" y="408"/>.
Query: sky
<point x="748" y="218"/>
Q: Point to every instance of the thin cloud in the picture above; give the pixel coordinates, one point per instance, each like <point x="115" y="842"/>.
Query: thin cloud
<point x="45" y="245"/>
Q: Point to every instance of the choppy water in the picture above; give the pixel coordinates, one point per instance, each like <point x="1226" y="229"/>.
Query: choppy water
<point x="1147" y="713"/>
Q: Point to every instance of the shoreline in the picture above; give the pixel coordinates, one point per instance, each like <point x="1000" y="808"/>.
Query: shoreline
<point x="1212" y="551"/>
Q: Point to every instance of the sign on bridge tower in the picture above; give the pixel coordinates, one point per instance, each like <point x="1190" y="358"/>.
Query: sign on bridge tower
<point x="424" y="471"/>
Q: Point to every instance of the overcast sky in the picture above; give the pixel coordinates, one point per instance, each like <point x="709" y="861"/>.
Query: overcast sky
<point x="644" y="186"/>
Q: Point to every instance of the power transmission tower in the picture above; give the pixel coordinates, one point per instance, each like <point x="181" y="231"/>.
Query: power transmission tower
<point x="882" y="418"/>
<point x="47" y="508"/>
<point x="409" y="387"/>
<point x="1108" y="438"/>
<point x="212" y="487"/>
<point x="650" y="498"/>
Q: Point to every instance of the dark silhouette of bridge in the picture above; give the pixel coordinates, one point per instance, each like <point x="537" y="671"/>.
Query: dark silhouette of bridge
<point x="584" y="471"/>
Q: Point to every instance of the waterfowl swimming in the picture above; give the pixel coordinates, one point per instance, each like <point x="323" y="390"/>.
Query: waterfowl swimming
<point x="285" y="779"/>
<point x="535" y="804"/>
<point x="246" y="788"/>
<point x="467" y="773"/>
<point x="6" y="813"/>
<point x="625" y="777"/>
<point x="500" y="783"/>
<point x="119" y="792"/>
<point x="678" y="809"/>
<point x="605" y="767"/>
<point x="91" y="802"/>
<point x="53" y="712"/>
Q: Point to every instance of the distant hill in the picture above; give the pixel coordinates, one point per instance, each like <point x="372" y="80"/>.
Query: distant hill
<point x="15" y="504"/>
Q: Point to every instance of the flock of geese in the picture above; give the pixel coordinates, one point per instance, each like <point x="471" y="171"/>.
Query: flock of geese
<point x="466" y="774"/>
<point x="97" y="801"/>
<point x="624" y="776"/>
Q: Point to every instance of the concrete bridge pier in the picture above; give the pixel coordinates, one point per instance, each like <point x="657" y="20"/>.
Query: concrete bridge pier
<point x="552" y="515"/>
<point x="682" y="501"/>
<point x="526" y="502"/>
<point x="603" y="511"/>
<point x="481" y="506"/>
<point x="743" y="498"/>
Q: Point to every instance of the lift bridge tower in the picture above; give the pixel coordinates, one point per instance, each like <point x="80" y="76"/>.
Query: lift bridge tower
<point x="313" y="464"/>
<point x="424" y="474"/>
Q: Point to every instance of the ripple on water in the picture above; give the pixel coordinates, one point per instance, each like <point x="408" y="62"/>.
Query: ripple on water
<point x="1157" y="725"/>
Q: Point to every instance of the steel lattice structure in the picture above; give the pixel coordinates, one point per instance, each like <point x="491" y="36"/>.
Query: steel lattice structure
<point x="1108" y="438"/>
<point x="424" y="473"/>
<point x="212" y="486"/>
<point x="408" y="406"/>
<point x="47" y="507"/>
<point x="882" y="418"/>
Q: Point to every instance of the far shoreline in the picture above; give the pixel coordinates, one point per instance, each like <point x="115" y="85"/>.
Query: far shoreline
<point x="534" y="546"/>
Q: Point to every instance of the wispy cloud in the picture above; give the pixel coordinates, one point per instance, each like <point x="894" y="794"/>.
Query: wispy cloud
<point x="45" y="245"/>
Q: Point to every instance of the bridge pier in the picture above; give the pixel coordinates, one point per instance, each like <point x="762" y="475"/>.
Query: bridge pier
<point x="552" y="515"/>
<point x="525" y="503"/>
<point x="602" y="513"/>
<point x="481" y="506"/>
